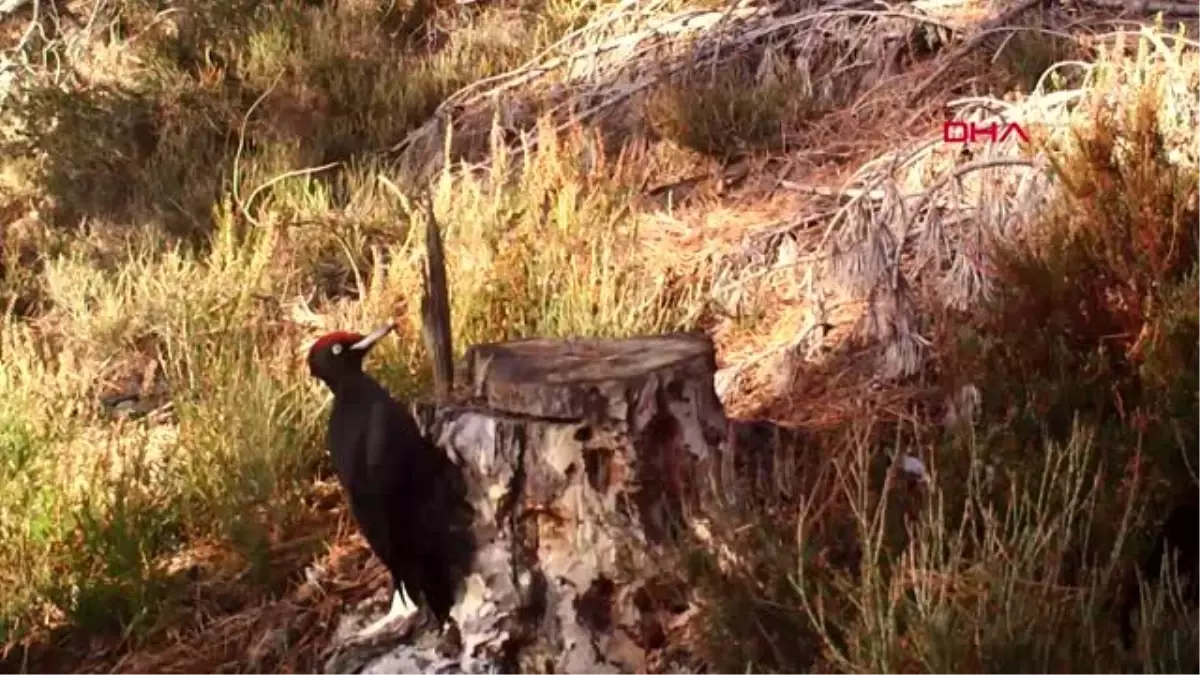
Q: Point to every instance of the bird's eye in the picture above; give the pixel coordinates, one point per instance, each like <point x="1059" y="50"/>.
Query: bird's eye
<point x="336" y="349"/>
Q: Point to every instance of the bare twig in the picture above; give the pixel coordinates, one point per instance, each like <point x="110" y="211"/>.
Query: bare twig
<point x="435" y="307"/>
<point x="241" y="146"/>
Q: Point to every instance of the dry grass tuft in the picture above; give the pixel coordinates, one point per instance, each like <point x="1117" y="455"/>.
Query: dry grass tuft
<point x="715" y="113"/>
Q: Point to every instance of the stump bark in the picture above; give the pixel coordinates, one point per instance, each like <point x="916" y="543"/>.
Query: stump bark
<point x="583" y="457"/>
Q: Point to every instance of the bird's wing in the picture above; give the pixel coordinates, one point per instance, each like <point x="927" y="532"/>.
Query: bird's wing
<point x="387" y="457"/>
<point x="407" y="469"/>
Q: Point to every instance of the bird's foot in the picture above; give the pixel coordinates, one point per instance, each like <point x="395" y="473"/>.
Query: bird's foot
<point x="402" y="609"/>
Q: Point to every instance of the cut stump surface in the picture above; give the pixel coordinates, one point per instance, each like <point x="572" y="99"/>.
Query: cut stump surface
<point x="582" y="378"/>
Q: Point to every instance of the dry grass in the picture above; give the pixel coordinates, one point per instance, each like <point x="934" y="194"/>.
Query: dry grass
<point x="189" y="196"/>
<point x="163" y="244"/>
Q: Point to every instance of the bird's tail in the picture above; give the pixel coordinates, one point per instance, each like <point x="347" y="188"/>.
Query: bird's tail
<point x="449" y="540"/>
<point x="439" y="572"/>
<point x="440" y="591"/>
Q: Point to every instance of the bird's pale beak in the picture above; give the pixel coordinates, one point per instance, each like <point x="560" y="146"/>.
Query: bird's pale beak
<point x="375" y="335"/>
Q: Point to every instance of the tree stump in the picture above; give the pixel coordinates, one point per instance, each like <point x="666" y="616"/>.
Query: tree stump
<point x="582" y="456"/>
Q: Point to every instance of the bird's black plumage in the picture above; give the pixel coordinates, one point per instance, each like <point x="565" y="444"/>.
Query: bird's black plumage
<point x="408" y="498"/>
<point x="1178" y="538"/>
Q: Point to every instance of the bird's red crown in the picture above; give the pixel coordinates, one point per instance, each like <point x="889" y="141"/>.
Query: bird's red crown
<point x="340" y="336"/>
